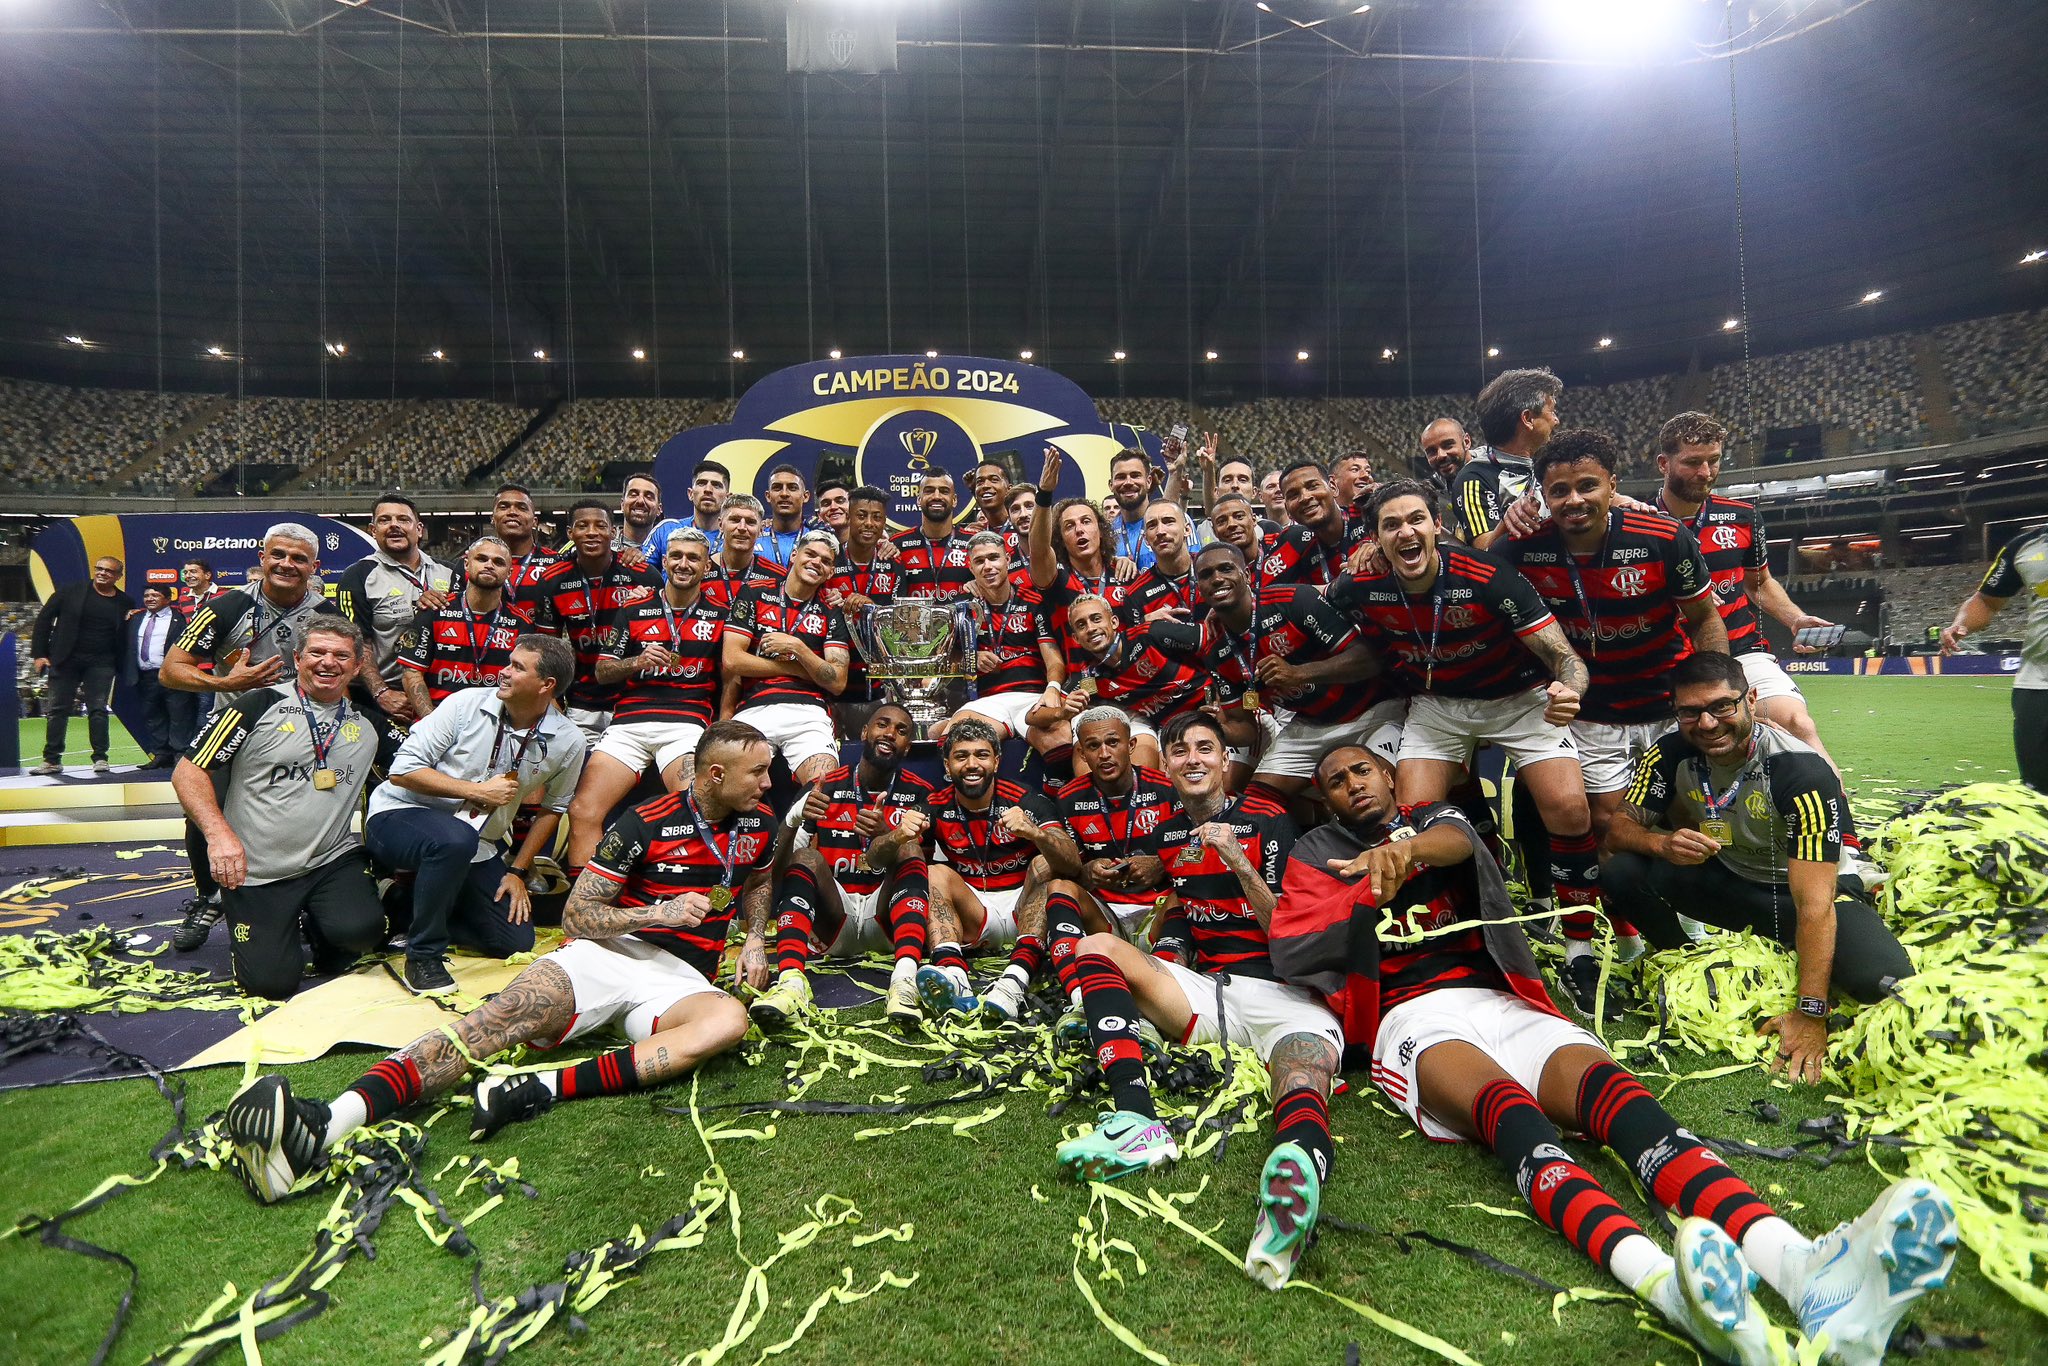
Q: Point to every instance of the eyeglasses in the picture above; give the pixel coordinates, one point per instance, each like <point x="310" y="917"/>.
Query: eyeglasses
<point x="1721" y="709"/>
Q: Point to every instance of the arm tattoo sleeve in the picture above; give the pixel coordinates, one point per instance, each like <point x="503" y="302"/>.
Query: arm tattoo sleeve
<point x="757" y="898"/>
<point x="592" y="911"/>
<point x="1551" y="646"/>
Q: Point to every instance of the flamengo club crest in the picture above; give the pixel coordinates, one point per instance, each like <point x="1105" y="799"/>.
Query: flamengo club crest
<point x="1631" y="583"/>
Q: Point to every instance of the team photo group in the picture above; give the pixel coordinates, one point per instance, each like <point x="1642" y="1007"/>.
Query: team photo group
<point x="1241" y="763"/>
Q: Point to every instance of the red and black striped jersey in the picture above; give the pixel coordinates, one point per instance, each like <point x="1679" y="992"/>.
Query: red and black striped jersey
<point x="834" y="835"/>
<point x="527" y="572"/>
<point x="686" y="690"/>
<point x="927" y="568"/>
<point x="1620" y="606"/>
<point x="1730" y="533"/>
<point x="587" y="605"/>
<point x="876" y="580"/>
<point x="1058" y="597"/>
<point x="455" y="648"/>
<point x="975" y="843"/>
<point x="1213" y="917"/>
<point x="1296" y="624"/>
<point x="759" y="610"/>
<point x="1014" y="633"/>
<point x="1461" y="638"/>
<point x="1146" y="681"/>
<point x="1155" y="588"/>
<point x="1299" y="556"/>
<point x="722" y="586"/>
<point x="1429" y="902"/>
<point x="1118" y="827"/>
<point x="656" y="851"/>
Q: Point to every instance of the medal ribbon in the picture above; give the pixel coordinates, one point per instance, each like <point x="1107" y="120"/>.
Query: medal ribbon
<point x="1436" y="624"/>
<point x="1571" y="565"/>
<point x="321" y="748"/>
<point x="1716" y="804"/>
<point x="709" y="835"/>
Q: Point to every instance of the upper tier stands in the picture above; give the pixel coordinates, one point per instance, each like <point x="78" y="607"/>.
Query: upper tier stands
<point x="585" y="434"/>
<point x="1869" y="387"/>
<point x="265" y="431"/>
<point x="431" y="447"/>
<point x="54" y="435"/>
<point x="1998" y="368"/>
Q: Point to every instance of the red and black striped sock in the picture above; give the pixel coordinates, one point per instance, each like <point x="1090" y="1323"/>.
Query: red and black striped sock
<point x="1063" y="931"/>
<point x="1303" y="1116"/>
<point x="1683" y="1173"/>
<point x="796" y="914"/>
<point x="1028" y="957"/>
<point x="1575" y="869"/>
<point x="1113" y="1022"/>
<point x="388" y="1087"/>
<point x="1058" y="763"/>
<point x="910" y="910"/>
<point x="1562" y="1193"/>
<point x="949" y="956"/>
<point x="607" y="1074"/>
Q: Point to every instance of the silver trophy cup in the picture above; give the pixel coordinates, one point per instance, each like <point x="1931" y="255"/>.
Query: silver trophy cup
<point x="914" y="649"/>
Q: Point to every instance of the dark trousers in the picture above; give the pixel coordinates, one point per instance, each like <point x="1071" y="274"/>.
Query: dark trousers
<point x="337" y="903"/>
<point x="1653" y="893"/>
<point x="201" y="862"/>
<point x="2030" y="735"/>
<point x="67" y="683"/>
<point x="452" y="898"/>
<point x="183" y="710"/>
<point x="156" y="714"/>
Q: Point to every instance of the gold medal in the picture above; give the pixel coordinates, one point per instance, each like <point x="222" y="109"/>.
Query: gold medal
<point x="720" y="897"/>
<point x="325" y="779"/>
<point x="1719" y="831"/>
<point x="1251" y="699"/>
<point x="1085" y="688"/>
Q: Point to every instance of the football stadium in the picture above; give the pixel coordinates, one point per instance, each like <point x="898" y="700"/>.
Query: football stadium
<point x="1189" y="681"/>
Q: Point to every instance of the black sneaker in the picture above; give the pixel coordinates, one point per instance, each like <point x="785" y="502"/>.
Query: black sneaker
<point x="507" y="1100"/>
<point x="278" y="1138"/>
<point x="1581" y="981"/>
<point x="201" y="915"/>
<point x="427" y="976"/>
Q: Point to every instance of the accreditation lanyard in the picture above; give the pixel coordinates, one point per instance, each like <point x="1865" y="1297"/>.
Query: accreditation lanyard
<point x="726" y="857"/>
<point x="1246" y="652"/>
<point x="523" y="743"/>
<point x="281" y="622"/>
<point x="1712" y="804"/>
<point x="1436" y="622"/>
<point x="1571" y="566"/>
<point x="1124" y="532"/>
<point x="982" y="846"/>
<point x="323" y="745"/>
<point x="418" y="581"/>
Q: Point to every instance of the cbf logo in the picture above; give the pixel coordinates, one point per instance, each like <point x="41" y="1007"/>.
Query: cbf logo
<point x="161" y="544"/>
<point x="909" y="444"/>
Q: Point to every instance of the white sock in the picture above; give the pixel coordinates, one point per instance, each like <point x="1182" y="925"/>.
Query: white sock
<point x="1764" y="1246"/>
<point x="1575" y="949"/>
<point x="1074" y="998"/>
<point x="548" y="1079"/>
<point x="1016" y="973"/>
<point x="1628" y="947"/>
<point x="348" y="1112"/>
<point x="905" y="968"/>
<point x="1635" y="1259"/>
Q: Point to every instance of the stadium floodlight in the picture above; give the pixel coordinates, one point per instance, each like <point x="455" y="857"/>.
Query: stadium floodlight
<point x="2033" y="256"/>
<point x="1731" y="324"/>
<point x="1301" y="355"/>
<point x="215" y="352"/>
<point x="1606" y="342"/>
<point x="1118" y="355"/>
<point x="74" y="340"/>
<point x="1209" y="355"/>
<point x="437" y="354"/>
<point x="1493" y="353"/>
<point x="833" y="353"/>
<point x="931" y="355"/>
<point x="337" y="348"/>
<point x="1025" y="354"/>
<point x="1871" y="296"/>
<point x="1387" y="353"/>
<point x="1615" y="28"/>
<point x="738" y="354"/>
<point x="539" y="354"/>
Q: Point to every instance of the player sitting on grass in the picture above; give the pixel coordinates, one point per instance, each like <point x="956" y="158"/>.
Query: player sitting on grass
<point x="646" y="924"/>
<point x="1224" y="855"/>
<point x="1466" y="1042"/>
<point x="861" y="886"/>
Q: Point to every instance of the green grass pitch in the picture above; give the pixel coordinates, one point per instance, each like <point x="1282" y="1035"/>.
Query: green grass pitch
<point x="992" y="1262"/>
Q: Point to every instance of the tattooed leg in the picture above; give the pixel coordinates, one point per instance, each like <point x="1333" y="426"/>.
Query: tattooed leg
<point x="688" y="1033"/>
<point x="536" y="1008"/>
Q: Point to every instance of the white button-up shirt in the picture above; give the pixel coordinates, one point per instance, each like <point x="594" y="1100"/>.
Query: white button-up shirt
<point x="470" y="738"/>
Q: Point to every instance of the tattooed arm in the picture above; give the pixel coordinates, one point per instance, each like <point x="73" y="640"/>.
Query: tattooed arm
<point x="1551" y="646"/>
<point x="757" y="901"/>
<point x="593" y="911"/>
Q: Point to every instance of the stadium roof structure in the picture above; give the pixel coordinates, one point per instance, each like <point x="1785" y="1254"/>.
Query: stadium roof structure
<point x="614" y="196"/>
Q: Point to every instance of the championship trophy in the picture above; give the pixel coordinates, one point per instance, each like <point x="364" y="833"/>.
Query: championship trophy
<point x="914" y="648"/>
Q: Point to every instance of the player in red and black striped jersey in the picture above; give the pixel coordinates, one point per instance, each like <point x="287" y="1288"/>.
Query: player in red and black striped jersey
<point x="786" y="656"/>
<point x="665" y="655"/>
<point x="1224" y="856"/>
<point x="931" y="558"/>
<point x="862" y="576"/>
<point x="1131" y="671"/>
<point x="735" y="566"/>
<point x="1291" y="649"/>
<point x="858" y="882"/>
<point x="1068" y="549"/>
<point x="1731" y="537"/>
<point x="1165" y="590"/>
<point x="645" y="926"/>
<point x="467" y="643"/>
<point x="1315" y="547"/>
<point x="987" y="877"/>
<point x="512" y="521"/>
<point x="1018" y="665"/>
<point x="586" y="590"/>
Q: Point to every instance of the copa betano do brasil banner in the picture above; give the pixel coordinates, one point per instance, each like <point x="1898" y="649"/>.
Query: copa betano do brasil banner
<point x="153" y="546"/>
<point x="897" y="417"/>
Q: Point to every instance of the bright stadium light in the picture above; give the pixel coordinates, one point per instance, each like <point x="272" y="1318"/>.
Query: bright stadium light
<point x="2033" y="256"/>
<point x="1025" y="354"/>
<point x="437" y="354"/>
<point x="931" y="355"/>
<point x="1493" y="353"/>
<point x="1614" y="28"/>
<point x="833" y="353"/>
<point x="1301" y="355"/>
<point x="1606" y="342"/>
<point x="74" y="340"/>
<point x="1386" y="353"/>
<point x="539" y="354"/>
<point x="1209" y="355"/>
<point x="739" y="355"/>
<point x="1731" y="324"/>
<point x="1871" y="296"/>
<point x="337" y="348"/>
<point x="215" y="352"/>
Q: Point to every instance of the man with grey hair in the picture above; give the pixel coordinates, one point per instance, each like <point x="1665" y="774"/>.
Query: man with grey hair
<point x="247" y="636"/>
<point x="1517" y="414"/>
<point x="273" y="785"/>
<point x="386" y="589"/>
<point x="466" y="643"/>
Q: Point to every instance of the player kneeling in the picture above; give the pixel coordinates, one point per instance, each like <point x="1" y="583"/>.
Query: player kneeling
<point x="1224" y="855"/>
<point x="647" y="922"/>
<point x="857" y="883"/>
<point x="1466" y="1042"/>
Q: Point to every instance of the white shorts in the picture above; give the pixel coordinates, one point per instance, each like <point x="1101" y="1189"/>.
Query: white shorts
<point x="1126" y="918"/>
<point x="1608" y="753"/>
<point x="862" y="932"/>
<point x="1006" y="709"/>
<point x="636" y="744"/>
<point x="1258" y="1013"/>
<point x="1767" y="675"/>
<point x="798" y="731"/>
<point x="624" y="981"/>
<point x="1141" y="729"/>
<point x="1269" y="731"/>
<point x="1453" y="728"/>
<point x="999" y="925"/>
<point x="591" y="723"/>
<point x="1503" y="1026"/>
<point x="1302" y="743"/>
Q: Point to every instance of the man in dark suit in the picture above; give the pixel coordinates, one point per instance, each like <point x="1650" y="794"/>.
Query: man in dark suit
<point x="150" y="632"/>
<point x="78" y="642"/>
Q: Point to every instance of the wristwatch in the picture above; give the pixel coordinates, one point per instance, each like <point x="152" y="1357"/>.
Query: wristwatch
<point x="1814" y="1006"/>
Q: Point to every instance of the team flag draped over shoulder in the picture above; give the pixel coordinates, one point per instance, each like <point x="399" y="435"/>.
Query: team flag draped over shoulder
<point x="834" y="37"/>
